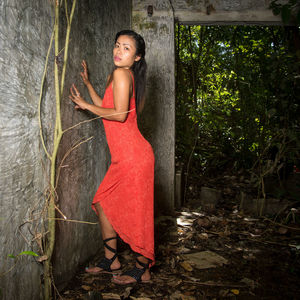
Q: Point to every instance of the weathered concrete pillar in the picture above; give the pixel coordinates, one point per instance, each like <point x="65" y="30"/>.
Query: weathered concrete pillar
<point x="157" y="122"/>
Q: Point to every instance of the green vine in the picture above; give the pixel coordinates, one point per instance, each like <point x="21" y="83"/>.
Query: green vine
<point x="58" y="133"/>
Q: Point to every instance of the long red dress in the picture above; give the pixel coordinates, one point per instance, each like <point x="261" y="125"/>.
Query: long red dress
<point x="126" y="192"/>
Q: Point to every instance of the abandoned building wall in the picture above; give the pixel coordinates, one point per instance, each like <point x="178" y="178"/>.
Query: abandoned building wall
<point x="212" y="11"/>
<point x="25" y="31"/>
<point x="224" y="12"/>
<point x="158" y="120"/>
<point x="92" y="39"/>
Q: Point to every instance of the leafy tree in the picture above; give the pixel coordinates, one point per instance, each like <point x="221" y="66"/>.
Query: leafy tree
<point x="237" y="99"/>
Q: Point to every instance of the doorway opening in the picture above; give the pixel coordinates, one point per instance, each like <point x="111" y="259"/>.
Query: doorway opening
<point x="237" y="111"/>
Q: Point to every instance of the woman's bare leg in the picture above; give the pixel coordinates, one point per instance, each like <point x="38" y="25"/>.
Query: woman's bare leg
<point x="107" y="232"/>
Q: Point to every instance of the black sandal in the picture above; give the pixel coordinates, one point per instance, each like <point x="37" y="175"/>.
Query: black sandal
<point x="136" y="273"/>
<point x="105" y="263"/>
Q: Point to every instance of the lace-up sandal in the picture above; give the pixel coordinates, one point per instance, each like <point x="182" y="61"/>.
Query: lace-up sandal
<point x="136" y="273"/>
<point x="105" y="263"/>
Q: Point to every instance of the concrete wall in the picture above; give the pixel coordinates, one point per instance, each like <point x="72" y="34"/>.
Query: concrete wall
<point x="25" y="32"/>
<point x="158" y="120"/>
<point x="92" y="39"/>
<point x="224" y="12"/>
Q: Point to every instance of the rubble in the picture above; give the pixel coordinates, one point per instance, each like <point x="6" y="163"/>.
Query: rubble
<point x="223" y="253"/>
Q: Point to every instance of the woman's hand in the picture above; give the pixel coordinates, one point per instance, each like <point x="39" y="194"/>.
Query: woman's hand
<point x="84" y="75"/>
<point x="77" y="99"/>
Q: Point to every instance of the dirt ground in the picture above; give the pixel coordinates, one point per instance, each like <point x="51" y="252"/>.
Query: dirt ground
<point x="218" y="254"/>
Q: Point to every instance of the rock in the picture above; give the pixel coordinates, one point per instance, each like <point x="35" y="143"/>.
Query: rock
<point x="209" y="197"/>
<point x="205" y="259"/>
<point x="270" y="206"/>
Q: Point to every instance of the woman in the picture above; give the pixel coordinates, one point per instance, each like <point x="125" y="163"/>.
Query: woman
<point x="124" y="200"/>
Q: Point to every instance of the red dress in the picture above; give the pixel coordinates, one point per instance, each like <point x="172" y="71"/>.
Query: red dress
<point x="126" y="192"/>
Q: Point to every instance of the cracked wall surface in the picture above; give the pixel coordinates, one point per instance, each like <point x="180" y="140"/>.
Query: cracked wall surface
<point x="25" y="32"/>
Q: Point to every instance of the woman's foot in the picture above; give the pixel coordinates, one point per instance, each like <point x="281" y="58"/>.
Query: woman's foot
<point x="140" y="273"/>
<point x="110" y="263"/>
<point x="115" y="267"/>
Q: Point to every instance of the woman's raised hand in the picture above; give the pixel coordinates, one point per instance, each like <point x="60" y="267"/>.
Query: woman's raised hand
<point x="84" y="74"/>
<point x="76" y="98"/>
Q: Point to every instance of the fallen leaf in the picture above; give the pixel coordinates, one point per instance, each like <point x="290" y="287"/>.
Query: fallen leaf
<point x="203" y="236"/>
<point x="204" y="222"/>
<point x="186" y="266"/>
<point x="174" y="243"/>
<point x="140" y="298"/>
<point x="111" y="296"/>
<point x="282" y="230"/>
<point x="173" y="263"/>
<point x="175" y="296"/>
<point x="89" y="280"/>
<point x="174" y="282"/>
<point x="185" y="297"/>
<point x="235" y="291"/>
<point x="127" y="291"/>
<point x="183" y="250"/>
<point x="223" y="293"/>
<point x="189" y="235"/>
<point x="86" y="287"/>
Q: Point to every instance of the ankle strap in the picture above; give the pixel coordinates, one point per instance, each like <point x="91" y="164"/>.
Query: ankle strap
<point x="111" y="238"/>
<point x="144" y="265"/>
<point x="107" y="246"/>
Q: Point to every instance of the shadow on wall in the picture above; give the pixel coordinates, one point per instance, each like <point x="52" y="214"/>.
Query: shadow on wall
<point x="148" y="119"/>
<point x="150" y="123"/>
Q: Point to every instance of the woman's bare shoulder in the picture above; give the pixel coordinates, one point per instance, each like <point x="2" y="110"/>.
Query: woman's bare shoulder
<point x="122" y="75"/>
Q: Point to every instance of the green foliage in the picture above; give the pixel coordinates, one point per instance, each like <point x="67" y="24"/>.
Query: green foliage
<point x="30" y="253"/>
<point x="16" y="258"/>
<point x="240" y="86"/>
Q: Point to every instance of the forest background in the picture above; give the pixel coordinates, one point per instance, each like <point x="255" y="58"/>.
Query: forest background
<point x="237" y="106"/>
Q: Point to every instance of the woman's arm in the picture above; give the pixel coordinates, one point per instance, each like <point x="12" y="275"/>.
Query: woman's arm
<point x="121" y="92"/>
<point x="85" y="78"/>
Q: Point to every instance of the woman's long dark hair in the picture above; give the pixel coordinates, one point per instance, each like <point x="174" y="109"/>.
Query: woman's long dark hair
<point x="139" y="67"/>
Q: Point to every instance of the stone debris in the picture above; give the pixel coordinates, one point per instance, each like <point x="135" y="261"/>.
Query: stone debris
<point x="205" y="259"/>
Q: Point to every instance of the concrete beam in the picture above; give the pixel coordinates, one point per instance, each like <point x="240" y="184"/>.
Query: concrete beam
<point x="255" y="17"/>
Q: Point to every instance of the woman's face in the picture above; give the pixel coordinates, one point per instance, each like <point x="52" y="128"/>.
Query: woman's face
<point x="124" y="52"/>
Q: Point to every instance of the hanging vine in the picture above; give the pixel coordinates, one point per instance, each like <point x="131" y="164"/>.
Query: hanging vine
<point x="49" y="239"/>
